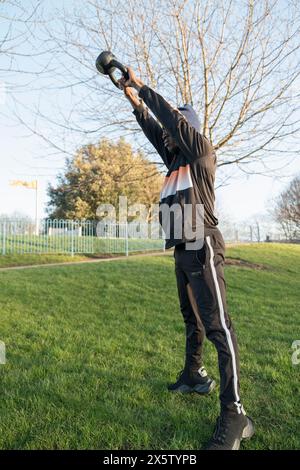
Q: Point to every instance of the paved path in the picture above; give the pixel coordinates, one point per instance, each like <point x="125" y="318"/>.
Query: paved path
<point x="93" y="260"/>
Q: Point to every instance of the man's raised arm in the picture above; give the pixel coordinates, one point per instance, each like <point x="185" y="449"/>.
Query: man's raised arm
<point x="189" y="140"/>
<point x="148" y="124"/>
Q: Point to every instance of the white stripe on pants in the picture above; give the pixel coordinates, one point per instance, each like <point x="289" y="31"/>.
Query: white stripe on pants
<point x="223" y="323"/>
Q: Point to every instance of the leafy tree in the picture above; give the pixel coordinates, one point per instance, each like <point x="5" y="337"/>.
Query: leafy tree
<point x="99" y="174"/>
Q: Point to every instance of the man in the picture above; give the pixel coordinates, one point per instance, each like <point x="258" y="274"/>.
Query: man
<point x="191" y="163"/>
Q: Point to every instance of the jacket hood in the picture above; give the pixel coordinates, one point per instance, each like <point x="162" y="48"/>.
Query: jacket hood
<point x="191" y="116"/>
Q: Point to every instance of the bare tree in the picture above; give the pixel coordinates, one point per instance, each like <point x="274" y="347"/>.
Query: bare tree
<point x="287" y="210"/>
<point x="25" y="67"/>
<point x="237" y="62"/>
<point x="18" y="23"/>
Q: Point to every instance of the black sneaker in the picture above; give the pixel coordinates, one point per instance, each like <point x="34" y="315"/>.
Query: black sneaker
<point x="230" y="429"/>
<point x="188" y="382"/>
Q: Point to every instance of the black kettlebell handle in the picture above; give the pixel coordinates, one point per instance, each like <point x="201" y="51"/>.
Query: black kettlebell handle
<point x="123" y="69"/>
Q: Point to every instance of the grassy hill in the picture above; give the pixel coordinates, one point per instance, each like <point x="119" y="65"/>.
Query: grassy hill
<point x="90" y="349"/>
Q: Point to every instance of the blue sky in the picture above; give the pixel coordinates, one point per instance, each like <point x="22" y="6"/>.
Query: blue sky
<point x="26" y="156"/>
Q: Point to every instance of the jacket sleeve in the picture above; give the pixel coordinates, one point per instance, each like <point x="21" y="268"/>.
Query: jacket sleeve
<point x="189" y="140"/>
<point x="153" y="132"/>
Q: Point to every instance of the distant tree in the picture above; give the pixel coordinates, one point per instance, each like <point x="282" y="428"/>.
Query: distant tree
<point x="99" y="174"/>
<point x="287" y="209"/>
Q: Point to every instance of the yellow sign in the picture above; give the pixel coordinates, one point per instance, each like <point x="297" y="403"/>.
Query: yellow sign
<point x="26" y="184"/>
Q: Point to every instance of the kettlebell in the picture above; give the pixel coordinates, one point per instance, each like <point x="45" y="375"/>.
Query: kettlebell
<point x="107" y="63"/>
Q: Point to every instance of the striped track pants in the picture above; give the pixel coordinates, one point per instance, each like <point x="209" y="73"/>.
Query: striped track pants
<point x="202" y="296"/>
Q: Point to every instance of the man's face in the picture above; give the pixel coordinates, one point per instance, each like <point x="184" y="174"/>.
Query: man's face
<point x="168" y="141"/>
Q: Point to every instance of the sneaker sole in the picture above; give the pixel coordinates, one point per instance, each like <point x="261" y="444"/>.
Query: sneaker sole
<point x="200" y="389"/>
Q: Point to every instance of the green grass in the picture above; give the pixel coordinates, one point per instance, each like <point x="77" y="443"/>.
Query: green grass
<point x="32" y="259"/>
<point x="91" y="347"/>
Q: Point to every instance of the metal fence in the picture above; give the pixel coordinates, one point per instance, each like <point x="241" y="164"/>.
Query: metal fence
<point x="90" y="236"/>
<point x="253" y="232"/>
<point x="19" y="236"/>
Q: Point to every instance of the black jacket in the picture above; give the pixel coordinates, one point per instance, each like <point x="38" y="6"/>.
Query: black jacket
<point x="191" y="171"/>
